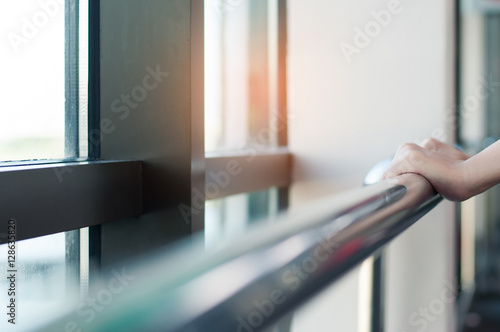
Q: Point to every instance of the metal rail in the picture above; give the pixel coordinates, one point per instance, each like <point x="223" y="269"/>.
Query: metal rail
<point x="251" y="282"/>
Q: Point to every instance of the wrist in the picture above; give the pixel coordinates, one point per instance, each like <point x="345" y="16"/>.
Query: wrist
<point x="477" y="176"/>
<point x="467" y="182"/>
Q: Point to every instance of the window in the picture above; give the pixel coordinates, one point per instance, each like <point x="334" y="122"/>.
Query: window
<point x="45" y="93"/>
<point x="41" y="282"/>
<point x="33" y="59"/>
<point x="241" y="83"/>
<point x="247" y="161"/>
<point x="229" y="217"/>
<point x="245" y="95"/>
<point x="124" y="168"/>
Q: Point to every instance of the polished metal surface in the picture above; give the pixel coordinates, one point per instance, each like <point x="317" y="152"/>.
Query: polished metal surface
<point x="250" y="282"/>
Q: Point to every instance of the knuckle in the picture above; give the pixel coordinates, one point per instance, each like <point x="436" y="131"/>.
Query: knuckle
<point x="414" y="156"/>
<point x="431" y="144"/>
<point x="407" y="147"/>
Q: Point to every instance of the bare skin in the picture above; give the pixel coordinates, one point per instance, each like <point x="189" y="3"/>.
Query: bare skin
<point x="452" y="173"/>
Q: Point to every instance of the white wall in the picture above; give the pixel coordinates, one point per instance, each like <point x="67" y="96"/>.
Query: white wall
<point x="346" y="116"/>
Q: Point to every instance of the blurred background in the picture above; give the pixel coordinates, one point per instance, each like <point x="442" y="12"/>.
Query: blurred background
<point x="338" y="85"/>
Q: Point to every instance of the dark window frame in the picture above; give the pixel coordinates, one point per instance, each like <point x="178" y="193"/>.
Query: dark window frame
<point x="46" y="175"/>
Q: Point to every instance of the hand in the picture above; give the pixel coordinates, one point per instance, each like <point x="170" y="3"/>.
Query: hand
<point x="442" y="165"/>
<point x="437" y="146"/>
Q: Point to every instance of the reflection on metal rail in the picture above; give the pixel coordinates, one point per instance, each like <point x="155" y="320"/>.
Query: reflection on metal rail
<point x="250" y="282"/>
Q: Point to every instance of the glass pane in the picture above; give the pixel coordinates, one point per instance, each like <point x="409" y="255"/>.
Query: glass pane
<point x="231" y="216"/>
<point x="34" y="65"/>
<point x="241" y="56"/>
<point x="39" y="286"/>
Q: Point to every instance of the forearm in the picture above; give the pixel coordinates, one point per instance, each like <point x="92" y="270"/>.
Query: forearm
<point x="482" y="171"/>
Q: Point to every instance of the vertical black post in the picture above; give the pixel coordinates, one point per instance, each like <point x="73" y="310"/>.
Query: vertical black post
<point x="378" y="295"/>
<point x="283" y="198"/>
<point x="94" y="113"/>
<point x="94" y="80"/>
<point x="71" y="144"/>
<point x="94" y="255"/>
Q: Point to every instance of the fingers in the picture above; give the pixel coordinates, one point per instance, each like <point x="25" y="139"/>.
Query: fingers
<point x="412" y="158"/>
<point x="407" y="160"/>
<point x="442" y="165"/>
<point x="437" y="146"/>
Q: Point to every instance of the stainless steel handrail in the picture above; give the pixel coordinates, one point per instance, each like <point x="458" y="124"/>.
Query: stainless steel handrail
<point x="250" y="282"/>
